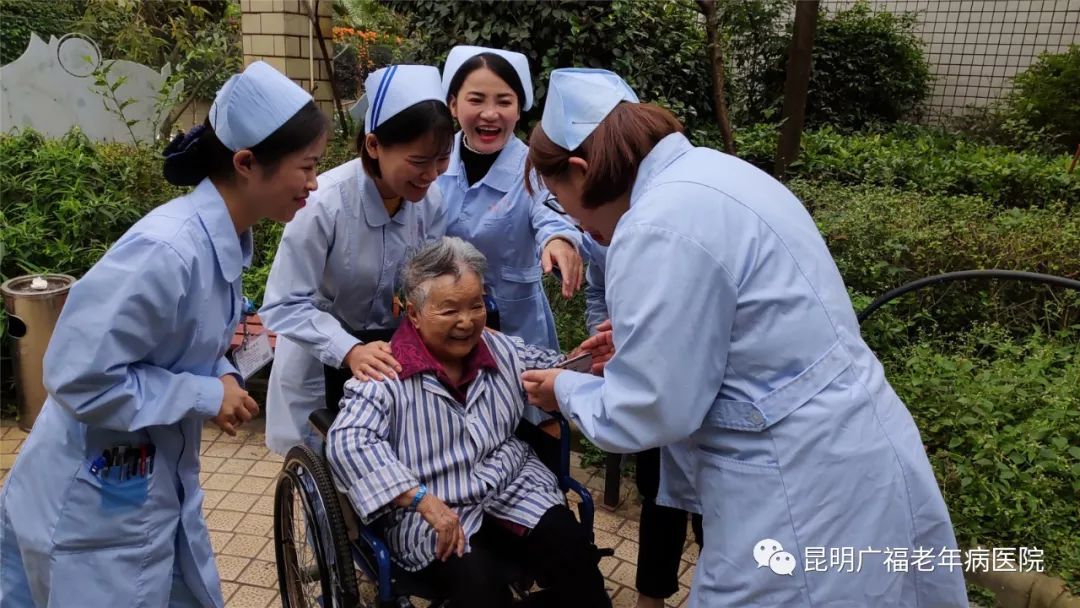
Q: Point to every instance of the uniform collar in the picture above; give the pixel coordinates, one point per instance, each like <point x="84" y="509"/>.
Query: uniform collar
<point x="665" y="152"/>
<point x="233" y="252"/>
<point x="408" y="348"/>
<point x="504" y="173"/>
<point x="374" y="210"/>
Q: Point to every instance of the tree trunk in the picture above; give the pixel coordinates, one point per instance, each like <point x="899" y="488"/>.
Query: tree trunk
<point x="796" y="85"/>
<point x="716" y="63"/>
<point x="313" y="15"/>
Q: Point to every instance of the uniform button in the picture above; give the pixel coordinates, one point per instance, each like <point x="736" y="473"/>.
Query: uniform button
<point x="756" y="418"/>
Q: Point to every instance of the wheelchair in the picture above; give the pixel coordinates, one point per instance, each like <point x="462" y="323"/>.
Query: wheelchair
<point x="327" y="557"/>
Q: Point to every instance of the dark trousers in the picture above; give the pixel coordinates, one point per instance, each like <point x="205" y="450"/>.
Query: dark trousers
<point x="662" y="533"/>
<point x="557" y="553"/>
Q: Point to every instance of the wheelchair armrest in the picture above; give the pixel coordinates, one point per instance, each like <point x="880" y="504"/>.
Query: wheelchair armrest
<point x="322" y="419"/>
<point x="555" y="454"/>
<point x="553" y="451"/>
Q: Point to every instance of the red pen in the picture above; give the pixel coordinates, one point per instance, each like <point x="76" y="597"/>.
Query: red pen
<point x="142" y="461"/>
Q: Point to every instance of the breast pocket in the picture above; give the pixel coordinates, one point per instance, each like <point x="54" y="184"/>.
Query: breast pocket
<point x="499" y="212"/>
<point x="517" y="284"/>
<point x="102" y="513"/>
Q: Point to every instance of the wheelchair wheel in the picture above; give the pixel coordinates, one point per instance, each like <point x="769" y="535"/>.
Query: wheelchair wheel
<point x="314" y="561"/>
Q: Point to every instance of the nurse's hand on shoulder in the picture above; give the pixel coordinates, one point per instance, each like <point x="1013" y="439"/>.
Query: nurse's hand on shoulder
<point x="540" y="388"/>
<point x="565" y="256"/>
<point x="372" y="361"/>
<point x="237" y="407"/>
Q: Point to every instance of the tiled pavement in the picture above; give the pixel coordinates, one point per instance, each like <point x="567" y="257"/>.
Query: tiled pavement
<point x="238" y="477"/>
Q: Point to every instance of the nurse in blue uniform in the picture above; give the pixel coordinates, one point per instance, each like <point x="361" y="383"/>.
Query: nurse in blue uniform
<point x="336" y="268"/>
<point x="732" y="330"/>
<point x="103" y="506"/>
<point x="486" y="200"/>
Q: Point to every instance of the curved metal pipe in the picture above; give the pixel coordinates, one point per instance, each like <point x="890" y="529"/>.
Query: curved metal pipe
<point x="962" y="275"/>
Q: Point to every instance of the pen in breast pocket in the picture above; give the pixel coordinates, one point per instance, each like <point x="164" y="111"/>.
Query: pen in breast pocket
<point x="121" y="462"/>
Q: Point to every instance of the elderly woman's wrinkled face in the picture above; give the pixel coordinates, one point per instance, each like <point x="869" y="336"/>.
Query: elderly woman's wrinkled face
<point x="453" y="316"/>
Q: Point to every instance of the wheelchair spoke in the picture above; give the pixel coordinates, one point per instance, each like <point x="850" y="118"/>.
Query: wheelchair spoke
<point x="301" y="563"/>
<point x="307" y="567"/>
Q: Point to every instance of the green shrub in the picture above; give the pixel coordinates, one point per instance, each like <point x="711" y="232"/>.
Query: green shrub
<point x="67" y="200"/>
<point x="868" y="68"/>
<point x="881" y="238"/>
<point x="755" y="42"/>
<point x="200" y="39"/>
<point x="1001" y="421"/>
<point x="1038" y="114"/>
<point x="569" y="314"/>
<point x="46" y="18"/>
<point x="1045" y="102"/>
<point x="914" y="158"/>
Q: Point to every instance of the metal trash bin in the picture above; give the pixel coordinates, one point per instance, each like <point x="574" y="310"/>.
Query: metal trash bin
<point x="33" y="305"/>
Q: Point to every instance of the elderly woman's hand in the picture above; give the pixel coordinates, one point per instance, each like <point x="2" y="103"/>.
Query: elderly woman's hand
<point x="540" y="387"/>
<point x="449" y="535"/>
<point x="372" y="361"/>
<point x="563" y="254"/>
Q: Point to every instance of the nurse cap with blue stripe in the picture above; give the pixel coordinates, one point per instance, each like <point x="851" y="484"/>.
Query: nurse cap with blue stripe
<point x="577" y="100"/>
<point x="395" y="88"/>
<point x="460" y="54"/>
<point x="253" y="104"/>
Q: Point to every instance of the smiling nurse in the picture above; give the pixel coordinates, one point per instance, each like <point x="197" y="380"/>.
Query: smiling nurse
<point x="103" y="506"/>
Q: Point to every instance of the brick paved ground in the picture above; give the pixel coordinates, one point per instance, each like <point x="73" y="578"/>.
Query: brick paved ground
<point x="238" y="478"/>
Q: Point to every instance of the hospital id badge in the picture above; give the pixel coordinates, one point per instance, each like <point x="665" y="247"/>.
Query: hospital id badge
<point x="254" y="354"/>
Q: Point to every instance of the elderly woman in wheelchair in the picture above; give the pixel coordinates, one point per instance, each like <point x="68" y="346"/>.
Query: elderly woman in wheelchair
<point x="432" y="453"/>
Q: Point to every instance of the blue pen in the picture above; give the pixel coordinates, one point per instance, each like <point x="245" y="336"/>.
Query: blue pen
<point x="96" y="465"/>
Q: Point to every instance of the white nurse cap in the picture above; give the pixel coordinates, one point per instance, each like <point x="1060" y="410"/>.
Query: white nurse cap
<point x="460" y="54"/>
<point x="253" y="104"/>
<point x="577" y="100"/>
<point x="392" y="89"/>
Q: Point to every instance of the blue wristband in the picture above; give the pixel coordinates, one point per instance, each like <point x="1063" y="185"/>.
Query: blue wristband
<point x="418" y="497"/>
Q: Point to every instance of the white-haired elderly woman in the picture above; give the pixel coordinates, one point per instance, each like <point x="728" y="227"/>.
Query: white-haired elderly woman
<point x="433" y="450"/>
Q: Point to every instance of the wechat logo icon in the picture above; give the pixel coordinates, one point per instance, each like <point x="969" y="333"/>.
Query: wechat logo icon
<point x="770" y="554"/>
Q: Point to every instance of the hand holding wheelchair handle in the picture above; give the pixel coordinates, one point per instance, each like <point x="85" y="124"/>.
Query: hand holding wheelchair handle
<point x="449" y="535"/>
<point x="237" y="407"/>
<point x="372" y="361"/>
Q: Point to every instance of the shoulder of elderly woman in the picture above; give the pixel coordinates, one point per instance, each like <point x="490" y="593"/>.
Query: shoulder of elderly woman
<point x="381" y="391"/>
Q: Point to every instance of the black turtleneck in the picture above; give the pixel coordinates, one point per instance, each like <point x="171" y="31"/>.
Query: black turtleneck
<point x="476" y="164"/>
